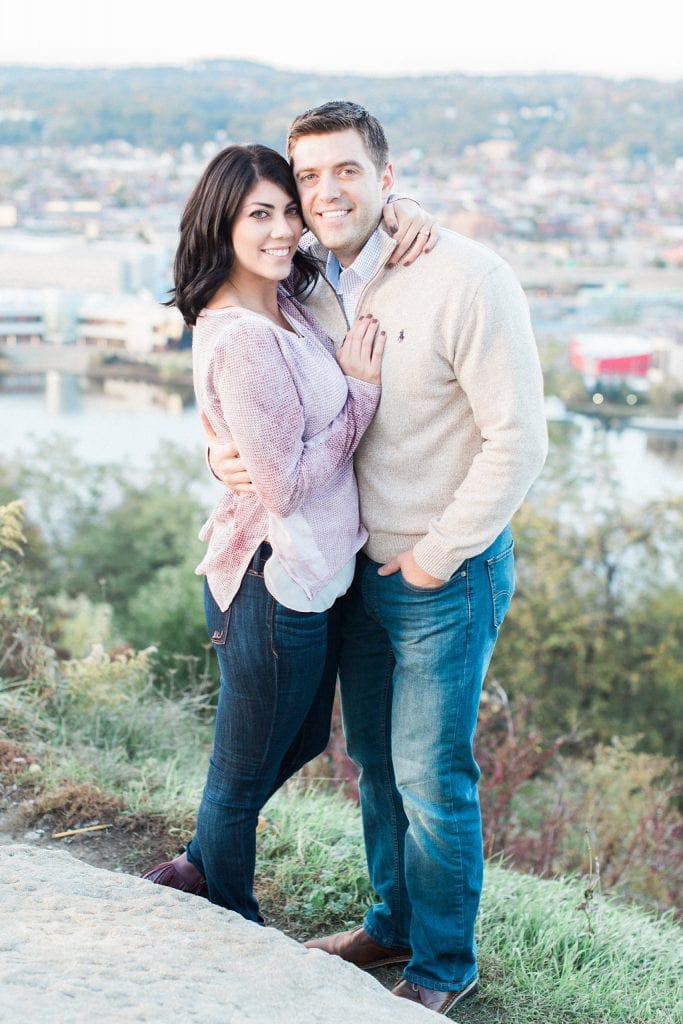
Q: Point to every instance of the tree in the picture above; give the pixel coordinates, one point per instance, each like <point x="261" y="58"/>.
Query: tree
<point x="595" y="633"/>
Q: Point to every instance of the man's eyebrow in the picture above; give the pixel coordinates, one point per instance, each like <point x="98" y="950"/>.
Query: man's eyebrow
<point x="340" y="163"/>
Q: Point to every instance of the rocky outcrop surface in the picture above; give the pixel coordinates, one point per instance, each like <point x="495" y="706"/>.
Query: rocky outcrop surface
<point x="81" y="944"/>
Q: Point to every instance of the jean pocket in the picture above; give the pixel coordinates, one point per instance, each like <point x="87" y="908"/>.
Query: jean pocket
<point x="501" y="570"/>
<point x="217" y="622"/>
<point x="421" y="590"/>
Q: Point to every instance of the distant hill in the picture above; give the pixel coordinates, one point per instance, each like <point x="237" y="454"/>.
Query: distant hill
<point x="165" y="107"/>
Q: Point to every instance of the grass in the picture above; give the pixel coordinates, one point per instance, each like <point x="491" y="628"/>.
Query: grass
<point x="541" y="960"/>
<point x="310" y="861"/>
<point x="104" y="739"/>
<point x="104" y="723"/>
<point x="536" y="947"/>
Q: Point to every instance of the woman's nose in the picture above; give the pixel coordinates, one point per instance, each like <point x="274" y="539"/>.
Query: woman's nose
<point x="281" y="228"/>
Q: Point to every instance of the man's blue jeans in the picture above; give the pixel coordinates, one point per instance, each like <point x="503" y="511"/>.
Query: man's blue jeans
<point x="412" y="665"/>
<point x="278" y="674"/>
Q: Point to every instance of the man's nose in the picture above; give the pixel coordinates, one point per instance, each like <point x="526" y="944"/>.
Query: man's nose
<point x="329" y="186"/>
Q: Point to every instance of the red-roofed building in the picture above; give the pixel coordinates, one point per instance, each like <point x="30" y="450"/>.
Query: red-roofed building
<point x="610" y="355"/>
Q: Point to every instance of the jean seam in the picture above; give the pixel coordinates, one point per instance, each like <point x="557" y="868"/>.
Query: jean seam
<point x="444" y="986"/>
<point x="491" y="563"/>
<point x="456" y="733"/>
<point x="271" y="627"/>
<point x="394" y="822"/>
<point x="381" y="938"/>
<point x="501" y="555"/>
<point x="374" y="613"/>
<point x="276" y="686"/>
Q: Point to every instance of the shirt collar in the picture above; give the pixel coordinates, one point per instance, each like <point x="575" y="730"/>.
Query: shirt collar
<point x="364" y="266"/>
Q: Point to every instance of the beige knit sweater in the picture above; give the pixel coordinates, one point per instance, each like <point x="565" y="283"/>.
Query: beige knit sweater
<point x="460" y="432"/>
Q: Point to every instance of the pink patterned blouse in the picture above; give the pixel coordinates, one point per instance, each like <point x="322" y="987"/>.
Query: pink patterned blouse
<point x="296" y="420"/>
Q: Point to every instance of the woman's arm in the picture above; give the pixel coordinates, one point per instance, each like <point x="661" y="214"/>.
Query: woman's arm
<point x="261" y="407"/>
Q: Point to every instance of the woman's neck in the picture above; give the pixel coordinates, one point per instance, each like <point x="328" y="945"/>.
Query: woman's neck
<point x="259" y="296"/>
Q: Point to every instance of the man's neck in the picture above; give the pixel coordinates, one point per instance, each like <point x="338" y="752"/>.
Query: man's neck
<point x="346" y="259"/>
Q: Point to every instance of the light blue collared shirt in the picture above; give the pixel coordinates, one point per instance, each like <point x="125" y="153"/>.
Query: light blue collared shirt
<point x="349" y="282"/>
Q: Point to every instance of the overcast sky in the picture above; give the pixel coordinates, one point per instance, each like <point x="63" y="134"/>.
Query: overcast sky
<point x="602" y="37"/>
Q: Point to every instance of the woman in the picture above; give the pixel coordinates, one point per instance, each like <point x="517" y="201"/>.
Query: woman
<point x="266" y="378"/>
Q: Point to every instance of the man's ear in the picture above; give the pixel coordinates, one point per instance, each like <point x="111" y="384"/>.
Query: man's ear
<point x="387" y="180"/>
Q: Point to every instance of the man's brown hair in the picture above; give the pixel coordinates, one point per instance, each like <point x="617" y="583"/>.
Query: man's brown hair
<point x="337" y="116"/>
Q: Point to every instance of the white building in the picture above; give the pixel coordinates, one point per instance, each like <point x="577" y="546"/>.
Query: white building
<point x="76" y="264"/>
<point x="22" y="317"/>
<point x="137" y="325"/>
<point x="49" y="317"/>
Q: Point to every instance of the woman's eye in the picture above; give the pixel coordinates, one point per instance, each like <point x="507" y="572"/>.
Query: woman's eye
<point x="259" y="214"/>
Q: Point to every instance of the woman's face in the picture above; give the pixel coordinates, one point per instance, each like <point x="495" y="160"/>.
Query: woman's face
<point x="265" y="233"/>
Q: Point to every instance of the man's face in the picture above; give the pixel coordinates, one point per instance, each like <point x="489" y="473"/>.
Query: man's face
<point x="341" y="190"/>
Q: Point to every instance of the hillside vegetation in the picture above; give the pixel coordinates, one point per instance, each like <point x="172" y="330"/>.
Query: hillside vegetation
<point x="107" y="688"/>
<point x="440" y="115"/>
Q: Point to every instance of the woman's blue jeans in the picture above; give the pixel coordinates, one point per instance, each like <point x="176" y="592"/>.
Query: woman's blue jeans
<point x="278" y="672"/>
<point x="412" y="665"/>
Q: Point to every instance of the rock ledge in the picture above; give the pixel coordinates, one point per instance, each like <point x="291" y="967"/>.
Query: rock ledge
<point x="81" y="944"/>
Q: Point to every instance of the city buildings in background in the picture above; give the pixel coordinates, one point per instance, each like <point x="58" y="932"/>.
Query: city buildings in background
<point x="88" y="232"/>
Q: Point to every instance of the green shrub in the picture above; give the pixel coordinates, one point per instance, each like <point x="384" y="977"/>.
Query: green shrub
<point x="24" y="652"/>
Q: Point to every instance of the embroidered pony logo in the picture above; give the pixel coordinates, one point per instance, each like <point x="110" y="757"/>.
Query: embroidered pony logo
<point x="402" y="336"/>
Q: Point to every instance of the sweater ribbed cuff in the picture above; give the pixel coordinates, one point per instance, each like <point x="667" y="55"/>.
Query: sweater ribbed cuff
<point x="438" y="561"/>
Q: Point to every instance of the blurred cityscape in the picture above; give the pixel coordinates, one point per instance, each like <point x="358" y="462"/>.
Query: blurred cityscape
<point x="88" y="231"/>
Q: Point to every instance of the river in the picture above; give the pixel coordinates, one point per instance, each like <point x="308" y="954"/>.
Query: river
<point x="110" y="431"/>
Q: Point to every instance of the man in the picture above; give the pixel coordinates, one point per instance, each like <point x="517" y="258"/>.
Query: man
<point x="458" y="439"/>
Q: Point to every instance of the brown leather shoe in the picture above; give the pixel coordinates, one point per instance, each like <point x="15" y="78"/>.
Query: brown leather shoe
<point x="439" y="1002"/>
<point x="179" y="874"/>
<point x="358" y="948"/>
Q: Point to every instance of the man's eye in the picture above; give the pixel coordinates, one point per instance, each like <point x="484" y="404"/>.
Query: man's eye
<point x="307" y="177"/>
<point x="348" y="171"/>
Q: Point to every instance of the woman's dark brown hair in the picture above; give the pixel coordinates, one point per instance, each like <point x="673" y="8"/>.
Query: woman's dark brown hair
<point x="205" y="255"/>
